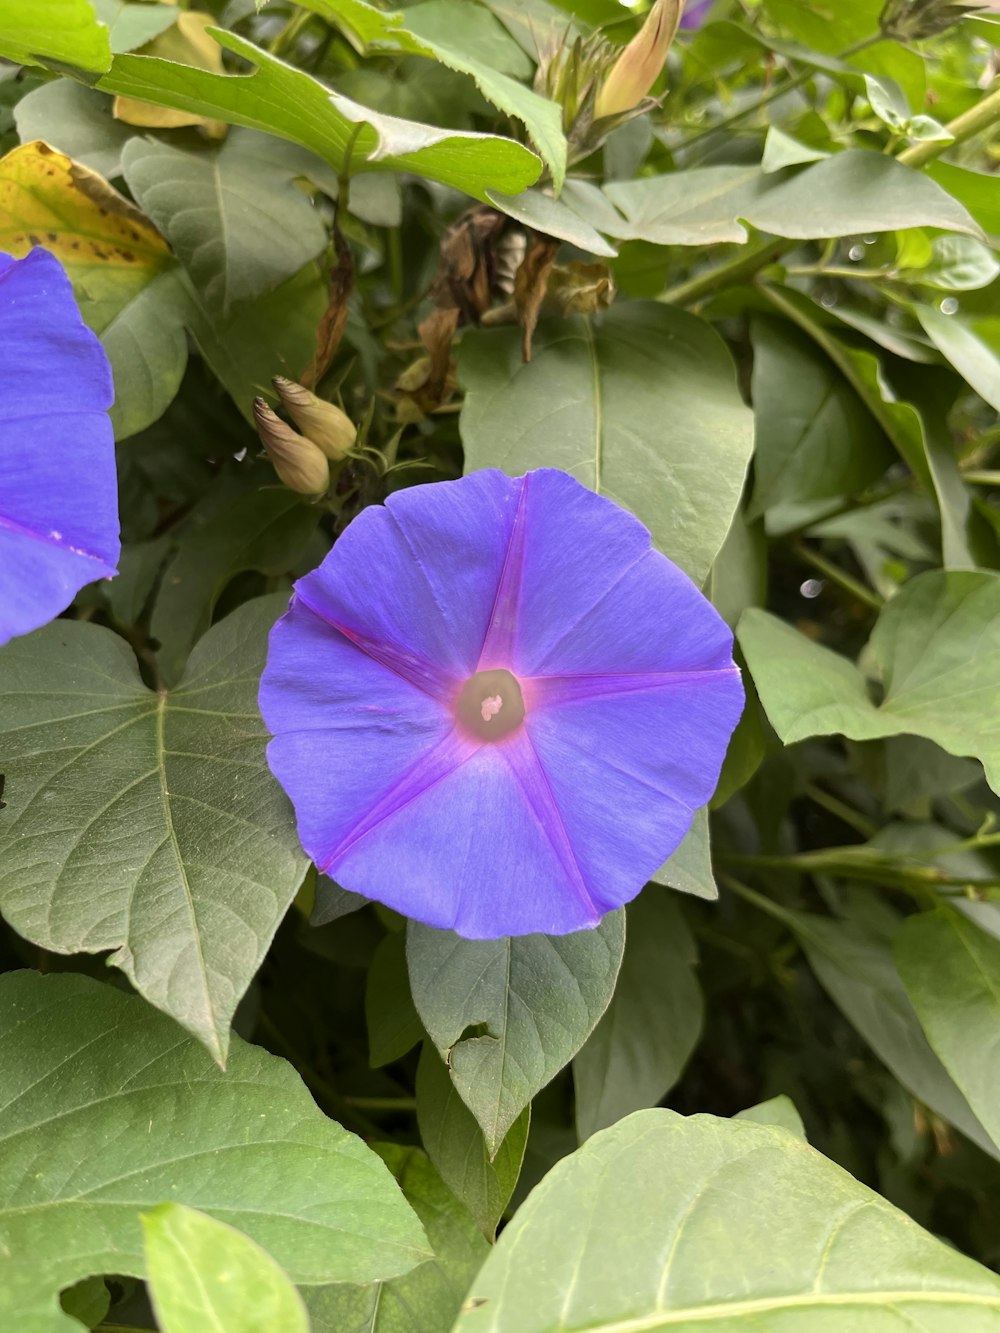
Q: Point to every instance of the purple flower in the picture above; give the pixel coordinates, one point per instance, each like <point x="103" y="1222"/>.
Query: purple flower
<point x="495" y="706"/>
<point x="58" y="488"/>
<point x="695" y="13"/>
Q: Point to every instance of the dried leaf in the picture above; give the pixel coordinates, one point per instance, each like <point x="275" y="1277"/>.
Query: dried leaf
<point x="331" y="326"/>
<point x="467" y="272"/>
<point x="530" y="285"/>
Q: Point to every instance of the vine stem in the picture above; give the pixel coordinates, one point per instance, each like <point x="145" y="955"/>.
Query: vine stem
<point x="741" y="266"/>
<point x="979" y="117"/>
<point x="285" y="37"/>
<point x="786" y="86"/>
<point x="837" y="575"/>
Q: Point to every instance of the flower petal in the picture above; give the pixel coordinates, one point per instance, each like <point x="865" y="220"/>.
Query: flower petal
<point x="628" y="770"/>
<point x="595" y="597"/>
<point x="58" y="487"/>
<point x="420" y="573"/>
<point x="471" y="853"/>
<point x="346" y="727"/>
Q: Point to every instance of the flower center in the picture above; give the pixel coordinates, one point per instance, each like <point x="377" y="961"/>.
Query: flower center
<point x="490" y="704"/>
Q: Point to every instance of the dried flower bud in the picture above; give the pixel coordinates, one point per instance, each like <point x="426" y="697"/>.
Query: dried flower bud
<point x="914" y="20"/>
<point x="321" y="422"/>
<point x="639" y="65"/>
<point x="299" y="463"/>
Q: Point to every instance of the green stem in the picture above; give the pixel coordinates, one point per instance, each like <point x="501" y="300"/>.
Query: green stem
<point x="978" y="117"/>
<point x="982" y="478"/>
<point x="837" y="271"/>
<point x="852" y="818"/>
<point x="752" y="896"/>
<point x="734" y="270"/>
<point x="780" y="89"/>
<point x="860" y="863"/>
<point x="837" y="575"/>
<point x="285" y="37"/>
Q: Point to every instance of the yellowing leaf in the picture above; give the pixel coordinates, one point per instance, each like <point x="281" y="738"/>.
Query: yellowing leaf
<point x="186" y="43"/>
<point x="109" y="248"/>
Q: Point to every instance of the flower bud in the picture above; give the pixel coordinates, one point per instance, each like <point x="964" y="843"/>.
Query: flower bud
<point x="299" y="463"/>
<point x="915" y="20"/>
<point x="323" y="423"/>
<point x="637" y="68"/>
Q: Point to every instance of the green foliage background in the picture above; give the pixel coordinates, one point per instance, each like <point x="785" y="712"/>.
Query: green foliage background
<point x="765" y="1095"/>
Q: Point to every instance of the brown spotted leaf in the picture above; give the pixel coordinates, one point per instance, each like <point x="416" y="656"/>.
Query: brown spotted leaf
<point x="110" y="249"/>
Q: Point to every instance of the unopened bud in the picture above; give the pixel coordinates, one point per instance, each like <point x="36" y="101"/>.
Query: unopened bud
<point x="639" y="65"/>
<point x="915" y="20"/>
<point x="299" y="463"/>
<point x="322" y="422"/>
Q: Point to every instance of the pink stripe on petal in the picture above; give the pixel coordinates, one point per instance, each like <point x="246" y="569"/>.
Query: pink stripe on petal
<point x="409" y="666"/>
<point x="549" y="691"/>
<point x="522" y="757"/>
<point x="501" y="633"/>
<point x="438" y="763"/>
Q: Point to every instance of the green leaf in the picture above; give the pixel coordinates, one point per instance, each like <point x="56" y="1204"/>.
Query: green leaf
<point x="888" y="101"/>
<point x="921" y="437"/>
<point x="148" y="350"/>
<point x="957" y="264"/>
<point x="427" y="1299"/>
<point x="143" y="822"/>
<point x="815" y="438"/>
<point x="87" y="1300"/>
<point x="76" y="120"/>
<point x="33" y="31"/>
<point x="638" y="1050"/>
<point x="205" y="1274"/>
<point x="291" y="104"/>
<point x="855" y="966"/>
<point x="449" y="33"/>
<point x="936" y="645"/>
<point x="951" y="970"/>
<point x="689" y="868"/>
<point x="394" y="1027"/>
<point x="484" y="39"/>
<point x="781" y="150"/>
<point x="668" y="1223"/>
<point x="854" y="191"/>
<point x="780" y="1111"/>
<point x="506" y="1015"/>
<point x="975" y="190"/>
<point x="554" y="217"/>
<point x="455" y="1144"/>
<point x="272" y="335"/>
<point x="640" y="405"/>
<point x="132" y="25"/>
<point x="233" y="215"/>
<point x="973" y="360"/>
<point x="108" y="1112"/>
<point x="266" y="530"/>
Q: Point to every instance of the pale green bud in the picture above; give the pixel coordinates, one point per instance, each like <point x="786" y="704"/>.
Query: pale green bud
<point x="301" y="465"/>
<point x="639" y="65"/>
<point x="321" y="422"/>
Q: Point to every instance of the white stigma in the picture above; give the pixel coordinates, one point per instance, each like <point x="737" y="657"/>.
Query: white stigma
<point x="490" y="707"/>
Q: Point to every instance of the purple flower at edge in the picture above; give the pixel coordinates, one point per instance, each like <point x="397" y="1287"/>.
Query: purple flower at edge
<point x="495" y="706"/>
<point x="695" y="13"/>
<point x="58" y="486"/>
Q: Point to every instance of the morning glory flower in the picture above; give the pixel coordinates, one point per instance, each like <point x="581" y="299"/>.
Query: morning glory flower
<point x="695" y="13"/>
<point x="58" y="486"/>
<point x="495" y="706"/>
